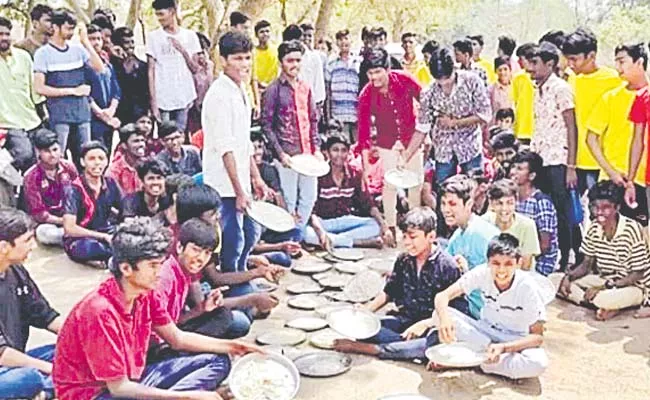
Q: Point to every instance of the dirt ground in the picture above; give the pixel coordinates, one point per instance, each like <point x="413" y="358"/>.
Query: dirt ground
<point x="588" y="359"/>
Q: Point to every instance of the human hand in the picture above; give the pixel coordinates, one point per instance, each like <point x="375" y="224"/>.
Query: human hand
<point x="285" y="159"/>
<point x="388" y="238"/>
<point x="290" y="247"/>
<point x="82" y="30"/>
<point x="114" y="123"/>
<point x="463" y="265"/>
<point x="257" y="113"/>
<point x="81" y="91"/>
<point x="445" y="121"/>
<point x="242" y="202"/>
<point x="571" y="178"/>
<point x="213" y="300"/>
<point x="264" y="302"/>
<point x="565" y="287"/>
<point x="446" y="330"/>
<point x="494" y="352"/>
<point x="401" y="163"/>
<point x="176" y="44"/>
<point x="618" y="178"/>
<point x="325" y="241"/>
<point x="630" y="196"/>
<point x="256" y="260"/>
<point x="416" y="330"/>
<point x="262" y="191"/>
<point x="107" y="237"/>
<point x="591" y="293"/>
<point x="155" y="112"/>
<point x="239" y="348"/>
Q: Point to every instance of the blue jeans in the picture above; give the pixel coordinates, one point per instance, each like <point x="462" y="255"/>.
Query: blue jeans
<point x="445" y="170"/>
<point x="269" y="236"/>
<point x="240" y="233"/>
<point x="86" y="249"/>
<point x="26" y="383"/>
<point x="586" y="179"/>
<point x="343" y="231"/>
<point x="82" y="136"/>
<point x="279" y="258"/>
<point x="179" y="116"/>
<point x="391" y="328"/>
<point x="186" y="372"/>
<point x="300" y="192"/>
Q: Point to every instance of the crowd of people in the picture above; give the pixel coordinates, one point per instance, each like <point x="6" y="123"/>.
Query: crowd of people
<point x="505" y="150"/>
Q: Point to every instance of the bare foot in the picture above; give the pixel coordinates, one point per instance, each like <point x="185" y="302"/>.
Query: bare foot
<point x="101" y="265"/>
<point x="604" y="315"/>
<point x="644" y="312"/>
<point x="225" y="393"/>
<point x="350" y="346"/>
<point x="431" y="366"/>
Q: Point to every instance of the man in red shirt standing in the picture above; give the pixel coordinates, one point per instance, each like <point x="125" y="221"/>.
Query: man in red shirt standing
<point x="102" y="347"/>
<point x="387" y="102"/>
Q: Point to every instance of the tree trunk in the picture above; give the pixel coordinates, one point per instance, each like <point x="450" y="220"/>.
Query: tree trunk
<point x="81" y="13"/>
<point x="134" y="13"/>
<point x="254" y="8"/>
<point x="323" y="20"/>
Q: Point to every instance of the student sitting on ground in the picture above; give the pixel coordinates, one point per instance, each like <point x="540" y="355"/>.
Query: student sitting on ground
<point x="91" y="208"/>
<point x="344" y="214"/>
<point x="43" y="188"/>
<point x="505" y="147"/>
<point x="531" y="202"/>
<point x="102" y="346"/>
<point x="23" y="375"/>
<point x="511" y="324"/>
<point x="615" y="271"/>
<point x="153" y="146"/>
<point x="197" y="240"/>
<point x="420" y="273"/>
<point x="168" y="217"/>
<point x="180" y="159"/>
<point x="152" y="199"/>
<point x="503" y="200"/>
<point x="124" y="170"/>
<point x="468" y="244"/>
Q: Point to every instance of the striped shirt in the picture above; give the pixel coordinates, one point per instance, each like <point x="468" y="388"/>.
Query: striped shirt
<point x="625" y="253"/>
<point x="540" y="209"/>
<point x="343" y="80"/>
<point x="347" y="199"/>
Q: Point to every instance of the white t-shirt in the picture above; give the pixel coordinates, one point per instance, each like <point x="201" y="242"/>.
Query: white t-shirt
<point x="174" y="82"/>
<point x="312" y="72"/>
<point x="226" y="118"/>
<point x="513" y="310"/>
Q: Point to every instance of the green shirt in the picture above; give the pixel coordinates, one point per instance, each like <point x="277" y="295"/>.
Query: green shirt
<point x="17" y="106"/>
<point x="524" y="229"/>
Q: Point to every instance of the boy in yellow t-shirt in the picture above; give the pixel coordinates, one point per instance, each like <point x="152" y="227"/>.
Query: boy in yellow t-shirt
<point x="477" y="46"/>
<point x="265" y="56"/>
<point x="589" y="84"/>
<point x="523" y="95"/>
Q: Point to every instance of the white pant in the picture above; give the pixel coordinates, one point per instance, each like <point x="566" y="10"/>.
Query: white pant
<point x="606" y="299"/>
<point x="49" y="234"/>
<point x="389" y="193"/>
<point x="300" y="192"/>
<point x="528" y="363"/>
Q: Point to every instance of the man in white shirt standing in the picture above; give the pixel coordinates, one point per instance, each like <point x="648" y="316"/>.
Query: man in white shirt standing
<point x="228" y="163"/>
<point x="171" y="56"/>
<point x="311" y="70"/>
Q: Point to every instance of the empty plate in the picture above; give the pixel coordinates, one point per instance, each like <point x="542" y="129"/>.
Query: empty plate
<point x="363" y="287"/>
<point x="263" y="285"/>
<point x="354" y="323"/>
<point x="335" y="296"/>
<point x="304" y="287"/>
<point x="336" y="281"/>
<point x="282" y="337"/>
<point x="381" y="265"/>
<point x="311" y="267"/>
<point x="306" y="301"/>
<point x="307" y="324"/>
<point x="309" y="165"/>
<point x="271" y="216"/>
<point x="350" y="267"/>
<point x="325" y="339"/>
<point x="347" y="254"/>
<point x="323" y="364"/>
<point x="403" y="179"/>
<point x="457" y="355"/>
<point x="323" y="311"/>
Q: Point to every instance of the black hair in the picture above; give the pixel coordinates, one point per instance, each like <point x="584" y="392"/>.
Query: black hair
<point x="62" y="16"/>
<point x="92" y="28"/>
<point x="377" y="58"/>
<point x="342" y="33"/>
<point x="430" y="47"/>
<point x="502" y="188"/>
<point x="365" y="33"/>
<point x="460" y="185"/>
<point x="15" y="223"/>
<point x="292" y="32"/>
<point x="507" y="44"/>
<point x="477" y="38"/>
<point x="175" y="181"/>
<point x="6" y="23"/>
<point x="546" y="52"/>
<point x="163" y="4"/>
<point x="464" y="46"/>
<point x="526" y="49"/>
<point x="408" y="35"/>
<point x="153" y="166"/>
<point x="127" y="131"/>
<point x="238" y="18"/>
<point x="607" y="190"/>
<point x="119" y="34"/>
<point x="138" y="239"/>
<point x="166" y="128"/>
<point x="261" y="25"/>
<point x="379" y="32"/>
<point x="232" y="43"/>
<point x="107" y="12"/>
<point x="92" y="145"/>
<point x="504" y="113"/>
<point x="635" y="51"/>
<point x="39" y="10"/>
<point x="335" y="139"/>
<point x="534" y="161"/>
<point x="45" y="138"/>
<point x="306" y="27"/>
<point x="504" y="140"/>
<point x="504" y="245"/>
<point x="327" y="43"/>
<point x="102" y="22"/>
<point x="441" y="63"/>
<point x="257" y="136"/>
<point x="582" y="41"/>
<point x="478" y="176"/>
<point x="555" y="37"/>
<point x="499" y="61"/>
<point x="203" y="41"/>
<point x="290" y="47"/>
<point x="421" y="219"/>
<point x="193" y="200"/>
<point x="198" y="232"/>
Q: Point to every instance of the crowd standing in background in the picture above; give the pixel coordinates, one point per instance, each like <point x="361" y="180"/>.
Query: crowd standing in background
<point x="145" y="168"/>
